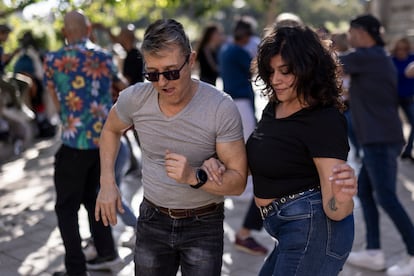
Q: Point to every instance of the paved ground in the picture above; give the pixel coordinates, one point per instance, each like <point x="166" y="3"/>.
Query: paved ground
<point x="30" y="243"/>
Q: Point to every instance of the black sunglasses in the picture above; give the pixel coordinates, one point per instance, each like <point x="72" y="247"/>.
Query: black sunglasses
<point x="169" y="75"/>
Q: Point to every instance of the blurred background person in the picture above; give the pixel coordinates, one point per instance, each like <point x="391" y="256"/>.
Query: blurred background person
<point x="79" y="77"/>
<point x="16" y="118"/>
<point x="286" y="19"/>
<point x="131" y="60"/>
<point x="341" y="47"/>
<point x="402" y="56"/>
<point x="254" y="39"/>
<point x="132" y="64"/>
<point x="5" y="58"/>
<point x="29" y="62"/>
<point x="207" y="52"/>
<point x="235" y="64"/>
<point x="132" y="68"/>
<point x="409" y="70"/>
<point x="7" y="89"/>
<point x="377" y="125"/>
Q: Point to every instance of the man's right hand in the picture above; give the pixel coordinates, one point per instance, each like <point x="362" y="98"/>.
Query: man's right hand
<point x="107" y="203"/>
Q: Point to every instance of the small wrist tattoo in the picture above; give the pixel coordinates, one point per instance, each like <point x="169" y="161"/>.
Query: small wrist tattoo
<point x="332" y="204"/>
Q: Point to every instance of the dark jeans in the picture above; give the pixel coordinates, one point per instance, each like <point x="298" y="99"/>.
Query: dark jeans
<point x="309" y="243"/>
<point x="253" y="219"/>
<point x="164" y="244"/>
<point x="377" y="184"/>
<point x="76" y="182"/>
<point x="407" y="105"/>
<point x="351" y="133"/>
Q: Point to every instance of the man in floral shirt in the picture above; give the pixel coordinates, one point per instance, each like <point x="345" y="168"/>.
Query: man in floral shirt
<point x="79" y="77"/>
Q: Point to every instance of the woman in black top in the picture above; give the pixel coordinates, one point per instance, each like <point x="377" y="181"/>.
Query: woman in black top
<point x="298" y="142"/>
<point x="295" y="153"/>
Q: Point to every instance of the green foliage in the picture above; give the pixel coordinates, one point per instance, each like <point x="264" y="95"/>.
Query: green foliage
<point x="44" y="34"/>
<point x="12" y="6"/>
<point x="332" y="14"/>
<point x="329" y="13"/>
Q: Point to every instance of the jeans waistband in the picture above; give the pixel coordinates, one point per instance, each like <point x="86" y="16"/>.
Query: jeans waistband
<point x="277" y="203"/>
<point x="186" y="213"/>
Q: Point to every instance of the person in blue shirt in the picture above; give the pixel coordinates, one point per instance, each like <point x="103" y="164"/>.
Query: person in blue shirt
<point x="235" y="63"/>
<point x="402" y="56"/>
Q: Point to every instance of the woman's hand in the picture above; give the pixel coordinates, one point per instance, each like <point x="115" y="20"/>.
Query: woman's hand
<point x="344" y="183"/>
<point x="215" y="170"/>
<point x="338" y="185"/>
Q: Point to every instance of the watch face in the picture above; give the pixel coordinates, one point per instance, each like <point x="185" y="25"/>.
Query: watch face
<point x="202" y="176"/>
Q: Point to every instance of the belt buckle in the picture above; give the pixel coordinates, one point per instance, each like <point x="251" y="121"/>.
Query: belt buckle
<point x="264" y="211"/>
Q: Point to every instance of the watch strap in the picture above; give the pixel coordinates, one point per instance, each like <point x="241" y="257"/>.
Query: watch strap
<point x="198" y="185"/>
<point x="200" y="182"/>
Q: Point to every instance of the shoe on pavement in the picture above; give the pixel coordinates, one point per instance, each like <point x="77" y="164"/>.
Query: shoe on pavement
<point x="130" y="243"/>
<point x="104" y="263"/>
<point x="403" y="268"/>
<point x="369" y="259"/>
<point x="408" y="156"/>
<point x="89" y="250"/>
<point x="250" y="245"/>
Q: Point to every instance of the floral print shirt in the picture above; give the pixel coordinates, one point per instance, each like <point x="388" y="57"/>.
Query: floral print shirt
<point x="81" y="75"/>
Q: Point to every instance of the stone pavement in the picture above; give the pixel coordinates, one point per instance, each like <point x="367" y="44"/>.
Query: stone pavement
<point x="30" y="243"/>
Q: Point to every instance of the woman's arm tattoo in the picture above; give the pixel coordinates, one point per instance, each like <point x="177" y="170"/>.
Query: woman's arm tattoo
<point x="332" y="204"/>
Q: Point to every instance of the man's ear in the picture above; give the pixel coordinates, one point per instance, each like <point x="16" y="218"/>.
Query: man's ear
<point x="192" y="58"/>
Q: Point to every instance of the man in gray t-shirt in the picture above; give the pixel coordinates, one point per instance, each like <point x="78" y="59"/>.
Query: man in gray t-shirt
<point x="181" y="123"/>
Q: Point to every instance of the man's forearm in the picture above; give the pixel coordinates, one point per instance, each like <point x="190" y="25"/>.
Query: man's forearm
<point x="233" y="183"/>
<point x="108" y="151"/>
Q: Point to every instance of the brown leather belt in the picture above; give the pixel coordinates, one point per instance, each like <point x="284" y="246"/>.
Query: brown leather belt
<point x="187" y="213"/>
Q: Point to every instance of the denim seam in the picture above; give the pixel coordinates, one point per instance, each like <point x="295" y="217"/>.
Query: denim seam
<point x="308" y="234"/>
<point x="329" y="241"/>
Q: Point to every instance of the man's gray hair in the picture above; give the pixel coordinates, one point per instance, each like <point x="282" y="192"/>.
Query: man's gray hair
<point x="164" y="33"/>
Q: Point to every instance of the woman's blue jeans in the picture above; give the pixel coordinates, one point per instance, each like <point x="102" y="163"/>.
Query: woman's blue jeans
<point x="309" y="243"/>
<point x="377" y="185"/>
<point x="164" y="244"/>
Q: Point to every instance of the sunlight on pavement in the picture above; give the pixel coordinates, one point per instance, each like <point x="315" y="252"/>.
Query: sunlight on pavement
<point x="43" y="256"/>
<point x="409" y="185"/>
<point x="13" y="171"/>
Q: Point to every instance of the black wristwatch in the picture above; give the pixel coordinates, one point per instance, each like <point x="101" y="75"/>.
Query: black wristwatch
<point x="202" y="178"/>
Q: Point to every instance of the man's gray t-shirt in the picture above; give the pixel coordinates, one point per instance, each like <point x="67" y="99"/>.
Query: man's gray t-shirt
<point x="209" y="118"/>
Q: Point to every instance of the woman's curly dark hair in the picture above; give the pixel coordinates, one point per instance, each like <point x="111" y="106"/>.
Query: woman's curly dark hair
<point x="314" y="66"/>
